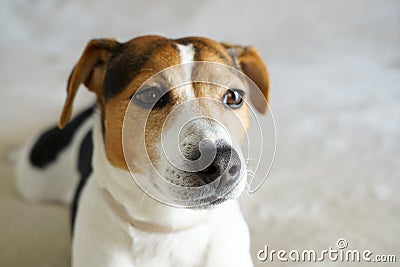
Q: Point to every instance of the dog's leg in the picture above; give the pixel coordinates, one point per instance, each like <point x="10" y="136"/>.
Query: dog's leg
<point x="47" y="166"/>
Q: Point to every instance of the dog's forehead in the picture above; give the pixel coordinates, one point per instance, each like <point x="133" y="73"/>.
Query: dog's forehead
<point x="142" y="57"/>
<point x="207" y="50"/>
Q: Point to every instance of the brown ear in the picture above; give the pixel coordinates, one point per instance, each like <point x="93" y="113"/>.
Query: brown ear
<point x="89" y="70"/>
<point x="253" y="66"/>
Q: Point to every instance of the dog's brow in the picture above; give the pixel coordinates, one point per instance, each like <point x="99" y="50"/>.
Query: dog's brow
<point x="122" y="68"/>
<point x="127" y="62"/>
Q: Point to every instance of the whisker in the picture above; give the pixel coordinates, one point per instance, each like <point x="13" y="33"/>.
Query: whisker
<point x="251" y="172"/>
<point x="150" y="203"/>
<point x="245" y="196"/>
<point x="141" y="200"/>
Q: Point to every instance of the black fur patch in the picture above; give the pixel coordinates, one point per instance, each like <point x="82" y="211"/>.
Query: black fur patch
<point x="52" y="142"/>
<point x="85" y="169"/>
<point x="125" y="63"/>
<point x="121" y="70"/>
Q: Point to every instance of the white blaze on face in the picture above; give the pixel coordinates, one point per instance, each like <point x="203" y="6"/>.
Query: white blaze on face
<point x="186" y="53"/>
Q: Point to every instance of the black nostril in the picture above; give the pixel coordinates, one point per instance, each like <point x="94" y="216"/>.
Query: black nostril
<point x="234" y="171"/>
<point x="210" y="174"/>
<point x="210" y="170"/>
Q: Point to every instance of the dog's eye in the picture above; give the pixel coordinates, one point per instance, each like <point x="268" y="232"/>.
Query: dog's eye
<point x="152" y="96"/>
<point x="233" y="98"/>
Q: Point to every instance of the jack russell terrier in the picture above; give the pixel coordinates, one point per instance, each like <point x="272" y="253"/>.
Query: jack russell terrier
<point x="82" y="161"/>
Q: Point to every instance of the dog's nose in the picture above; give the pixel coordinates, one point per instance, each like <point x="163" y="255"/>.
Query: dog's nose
<point x="226" y="166"/>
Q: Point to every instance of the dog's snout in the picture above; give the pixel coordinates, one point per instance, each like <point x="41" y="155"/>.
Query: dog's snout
<point x="226" y="166"/>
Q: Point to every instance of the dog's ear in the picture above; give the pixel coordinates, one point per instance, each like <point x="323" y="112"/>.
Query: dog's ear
<point x="253" y="66"/>
<point x="90" y="70"/>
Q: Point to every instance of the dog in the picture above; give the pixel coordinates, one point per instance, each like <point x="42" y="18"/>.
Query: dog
<point x="82" y="161"/>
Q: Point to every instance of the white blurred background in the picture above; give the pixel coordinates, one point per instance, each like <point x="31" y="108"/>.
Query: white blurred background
<point x="335" y="75"/>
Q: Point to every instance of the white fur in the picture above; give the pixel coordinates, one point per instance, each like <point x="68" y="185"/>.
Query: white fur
<point x="102" y="238"/>
<point x="186" y="53"/>
<point x="58" y="180"/>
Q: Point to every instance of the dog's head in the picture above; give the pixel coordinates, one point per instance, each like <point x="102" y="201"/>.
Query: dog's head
<point x="208" y="121"/>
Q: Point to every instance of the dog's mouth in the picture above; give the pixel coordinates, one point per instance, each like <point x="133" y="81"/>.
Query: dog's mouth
<point x="189" y="189"/>
<point x="200" y="194"/>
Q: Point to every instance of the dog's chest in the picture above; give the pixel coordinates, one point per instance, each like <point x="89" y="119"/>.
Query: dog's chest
<point x="188" y="248"/>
